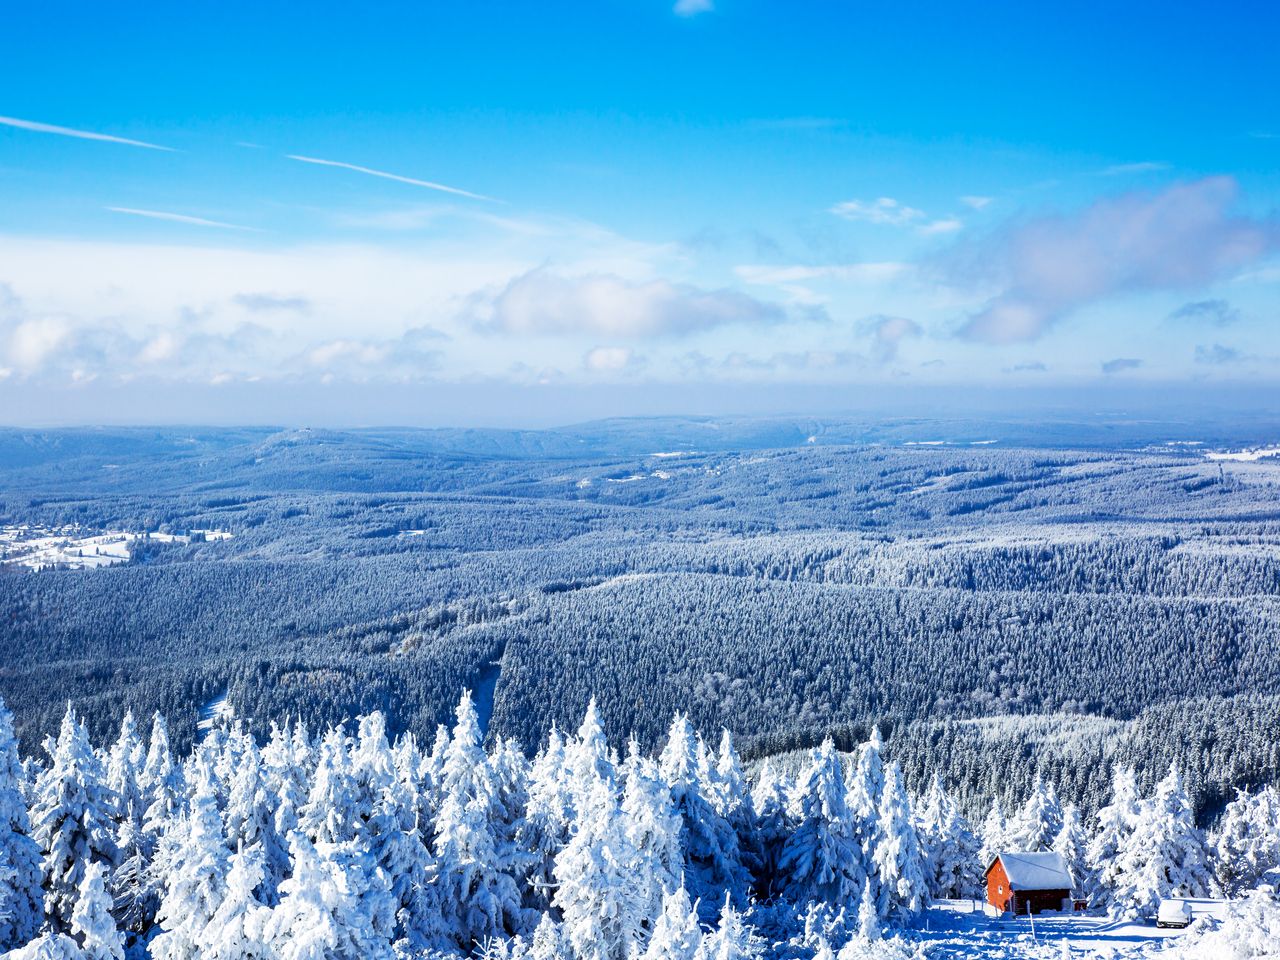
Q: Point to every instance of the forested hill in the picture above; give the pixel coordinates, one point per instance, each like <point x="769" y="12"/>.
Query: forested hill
<point x="783" y="578"/>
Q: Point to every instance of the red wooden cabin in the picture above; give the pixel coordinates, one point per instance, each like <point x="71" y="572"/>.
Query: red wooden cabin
<point x="1040" y="881"/>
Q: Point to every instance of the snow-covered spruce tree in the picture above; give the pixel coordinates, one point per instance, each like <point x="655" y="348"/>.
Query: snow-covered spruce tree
<point x="712" y="859"/>
<point x="1039" y="821"/>
<point x="822" y="859"/>
<point x="135" y="886"/>
<point x="1115" y="825"/>
<point x="196" y="871"/>
<point x="950" y="849"/>
<point x="237" y="930"/>
<point x="125" y="763"/>
<point x="396" y="846"/>
<point x="545" y="829"/>
<point x="587" y="757"/>
<point x="598" y="893"/>
<point x="1166" y="855"/>
<point x="770" y="799"/>
<point x="653" y="831"/>
<point x="332" y="813"/>
<point x="71" y="820"/>
<point x="676" y="935"/>
<point x="898" y="863"/>
<point x="477" y="862"/>
<point x="732" y="939"/>
<point x="91" y="922"/>
<point x="1072" y="844"/>
<point x="1246" y="844"/>
<point x="249" y="818"/>
<point x="21" y="898"/>
<point x="325" y="909"/>
<point x="733" y="801"/>
<point x="868" y="915"/>
<point x="285" y="781"/>
<point x="865" y="787"/>
<point x="161" y="785"/>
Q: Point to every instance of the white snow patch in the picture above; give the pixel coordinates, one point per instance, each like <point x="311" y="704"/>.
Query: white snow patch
<point x="1244" y="455"/>
<point x="216" y="710"/>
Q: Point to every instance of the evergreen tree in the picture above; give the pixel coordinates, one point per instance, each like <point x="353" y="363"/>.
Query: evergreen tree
<point x="545" y="829"/>
<point x="1072" y="844"/>
<point x="604" y="909"/>
<point x="196" y="871"/>
<point x="653" y="832"/>
<point x="1165" y="856"/>
<point x="865" y="791"/>
<point x="948" y="845"/>
<point x="822" y="859"/>
<point x="91" y="921"/>
<point x="676" y="933"/>
<point x="898" y="862"/>
<point x="770" y="800"/>
<point x="71" y="820"/>
<point x="476" y="858"/>
<point x="21" y="898"/>
<point x="325" y="908"/>
<point x="1246" y="845"/>
<point x="237" y="929"/>
<point x="711" y="855"/>
<point x="732" y="939"/>
<point x="1116" y="823"/>
<point x="125" y="764"/>
<point x="1039" y="822"/>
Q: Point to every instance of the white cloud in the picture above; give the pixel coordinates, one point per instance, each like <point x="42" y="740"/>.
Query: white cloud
<point x="430" y="185"/>
<point x="976" y="202"/>
<point x="948" y="225"/>
<point x="36" y="127"/>
<point x="611" y="360"/>
<point x="180" y="218"/>
<point x="885" y="210"/>
<point x="691" y="8"/>
<point x="887" y="333"/>
<point x="1179" y="238"/>
<point x="543" y="302"/>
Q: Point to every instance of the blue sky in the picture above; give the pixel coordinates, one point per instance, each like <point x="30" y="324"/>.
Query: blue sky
<point x="451" y="213"/>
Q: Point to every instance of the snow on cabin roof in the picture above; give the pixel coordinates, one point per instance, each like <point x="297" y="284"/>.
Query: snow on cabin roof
<point x="1034" y="871"/>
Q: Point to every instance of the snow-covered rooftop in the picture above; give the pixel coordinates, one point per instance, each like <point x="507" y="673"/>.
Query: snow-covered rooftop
<point x="1034" y="871"/>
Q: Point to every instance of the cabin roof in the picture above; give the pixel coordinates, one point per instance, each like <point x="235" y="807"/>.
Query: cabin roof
<point x="1034" y="871"/>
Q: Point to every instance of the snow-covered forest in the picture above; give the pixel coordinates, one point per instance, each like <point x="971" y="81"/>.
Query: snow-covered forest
<point x="341" y="843"/>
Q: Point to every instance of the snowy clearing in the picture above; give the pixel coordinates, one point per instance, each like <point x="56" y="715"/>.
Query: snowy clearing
<point x="1257" y="453"/>
<point x="75" y="548"/>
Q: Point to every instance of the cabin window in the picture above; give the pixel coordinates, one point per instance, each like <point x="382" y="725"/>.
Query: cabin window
<point x="1000" y="889"/>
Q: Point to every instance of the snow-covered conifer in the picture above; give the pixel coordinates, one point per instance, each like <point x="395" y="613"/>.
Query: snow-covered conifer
<point x="477" y="862"/>
<point x="196" y="871"/>
<point x="1246" y="844"/>
<point x="1072" y="844"/>
<point x="676" y="934"/>
<point x="324" y="911"/>
<point x="899" y="864"/>
<point x="237" y="930"/>
<point x="653" y="830"/>
<point x="1165" y="856"/>
<point x="71" y="820"/>
<point x="91" y="921"/>
<point x="712" y="858"/>
<point x="125" y="763"/>
<point x="822" y="859"/>
<point x="1115" y="825"/>
<point x="732" y="938"/>
<point x="604" y="911"/>
<point x="1039" y="821"/>
<point x="21" y="899"/>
